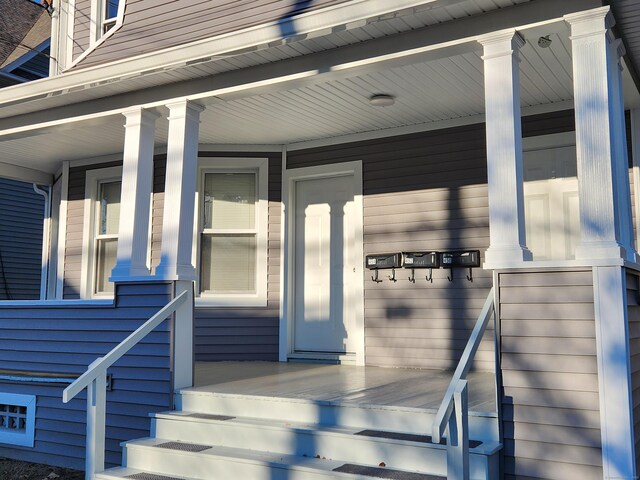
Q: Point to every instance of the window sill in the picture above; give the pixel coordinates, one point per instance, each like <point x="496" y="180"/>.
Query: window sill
<point x="231" y="301"/>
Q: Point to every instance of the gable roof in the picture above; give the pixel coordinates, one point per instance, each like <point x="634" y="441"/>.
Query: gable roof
<point x="25" y="29"/>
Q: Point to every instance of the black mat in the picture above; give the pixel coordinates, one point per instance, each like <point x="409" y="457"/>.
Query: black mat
<point x="388" y="473"/>
<point x="183" y="446"/>
<point x="207" y="416"/>
<point x="151" y="476"/>
<point x="409" y="437"/>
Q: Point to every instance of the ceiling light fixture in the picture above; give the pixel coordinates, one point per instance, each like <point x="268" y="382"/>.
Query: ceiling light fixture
<point x="382" y="100"/>
<point x="544" y="42"/>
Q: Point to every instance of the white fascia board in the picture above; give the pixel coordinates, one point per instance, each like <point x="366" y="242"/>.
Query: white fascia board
<point x="433" y="42"/>
<point x="25" y="174"/>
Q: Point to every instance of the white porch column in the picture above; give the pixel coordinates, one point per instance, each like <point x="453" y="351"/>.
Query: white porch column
<point x="179" y="194"/>
<point x="604" y="197"/>
<point x="137" y="186"/>
<point x="635" y="154"/>
<point x="504" y="149"/>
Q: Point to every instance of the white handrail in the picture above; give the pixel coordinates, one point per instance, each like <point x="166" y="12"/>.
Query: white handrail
<point x="455" y="402"/>
<point x="95" y="381"/>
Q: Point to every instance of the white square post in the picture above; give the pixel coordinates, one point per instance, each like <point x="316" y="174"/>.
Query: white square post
<point x="507" y="244"/>
<point x="605" y="203"/>
<point x="137" y="186"/>
<point x="180" y="190"/>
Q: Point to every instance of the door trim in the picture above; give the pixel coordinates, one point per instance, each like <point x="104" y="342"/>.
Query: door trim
<point x="289" y="180"/>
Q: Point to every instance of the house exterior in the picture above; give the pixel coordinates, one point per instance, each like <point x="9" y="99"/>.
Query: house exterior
<point x="263" y="154"/>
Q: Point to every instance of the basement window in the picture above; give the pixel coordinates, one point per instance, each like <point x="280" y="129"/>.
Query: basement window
<point x="17" y="419"/>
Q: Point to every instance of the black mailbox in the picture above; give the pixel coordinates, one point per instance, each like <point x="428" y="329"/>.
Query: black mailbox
<point x="383" y="260"/>
<point x="460" y="259"/>
<point x="420" y="260"/>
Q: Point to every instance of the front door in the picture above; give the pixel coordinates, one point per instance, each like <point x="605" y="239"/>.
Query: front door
<point x="325" y="266"/>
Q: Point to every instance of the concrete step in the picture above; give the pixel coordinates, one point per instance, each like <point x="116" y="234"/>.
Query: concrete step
<point x="397" y="450"/>
<point x="482" y="426"/>
<point x="210" y="462"/>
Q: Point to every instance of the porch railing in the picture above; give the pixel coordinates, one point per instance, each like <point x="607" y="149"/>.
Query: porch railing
<point x="95" y="381"/>
<point x="453" y="414"/>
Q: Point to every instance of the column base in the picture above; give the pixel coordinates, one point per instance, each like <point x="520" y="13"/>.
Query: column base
<point x="601" y="250"/>
<point x="124" y="271"/>
<point x="176" y="272"/>
<point x="499" y="256"/>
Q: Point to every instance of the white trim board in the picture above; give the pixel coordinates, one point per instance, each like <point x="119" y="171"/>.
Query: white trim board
<point x="290" y="177"/>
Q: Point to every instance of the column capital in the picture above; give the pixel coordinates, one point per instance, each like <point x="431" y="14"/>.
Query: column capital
<point x="509" y="35"/>
<point x="184" y="108"/>
<point x="140" y="114"/>
<point x="589" y="22"/>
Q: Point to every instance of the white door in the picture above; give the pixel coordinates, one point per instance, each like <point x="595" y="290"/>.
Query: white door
<point x="324" y="266"/>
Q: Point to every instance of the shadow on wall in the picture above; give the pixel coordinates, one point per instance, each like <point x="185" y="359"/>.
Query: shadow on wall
<point x="287" y="25"/>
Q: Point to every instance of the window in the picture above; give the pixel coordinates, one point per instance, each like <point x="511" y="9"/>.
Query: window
<point x="102" y="220"/>
<point x="17" y="419"/>
<point x="232" y="230"/>
<point x="109" y="15"/>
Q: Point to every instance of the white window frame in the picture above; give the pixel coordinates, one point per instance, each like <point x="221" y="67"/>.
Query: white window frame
<point x="99" y="20"/>
<point x="26" y="438"/>
<point x="93" y="180"/>
<point x="236" y="165"/>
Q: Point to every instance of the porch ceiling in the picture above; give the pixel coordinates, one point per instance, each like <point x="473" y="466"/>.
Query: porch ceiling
<point x="430" y="93"/>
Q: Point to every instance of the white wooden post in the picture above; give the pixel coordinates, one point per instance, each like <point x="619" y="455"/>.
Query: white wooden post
<point x="96" y="420"/>
<point x="179" y="195"/>
<point x="604" y="217"/>
<point x="635" y="154"/>
<point x="614" y="373"/>
<point x="183" y="352"/>
<point x="137" y="186"/>
<point x="507" y="244"/>
<point x="458" y="435"/>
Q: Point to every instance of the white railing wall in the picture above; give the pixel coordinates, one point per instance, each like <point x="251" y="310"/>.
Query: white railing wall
<point x="453" y="414"/>
<point x="95" y="378"/>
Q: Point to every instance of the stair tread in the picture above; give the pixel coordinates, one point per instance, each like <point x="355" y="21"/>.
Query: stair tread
<point x="386" y="436"/>
<point x="126" y="473"/>
<point x="273" y="460"/>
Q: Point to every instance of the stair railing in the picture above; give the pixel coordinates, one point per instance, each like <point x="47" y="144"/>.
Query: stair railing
<point x="453" y="414"/>
<point x="95" y="381"/>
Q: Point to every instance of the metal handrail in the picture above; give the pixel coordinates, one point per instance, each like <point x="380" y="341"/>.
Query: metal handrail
<point x="94" y="380"/>
<point x="455" y="399"/>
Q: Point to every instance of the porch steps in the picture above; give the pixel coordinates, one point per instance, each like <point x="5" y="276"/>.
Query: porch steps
<point x="211" y="437"/>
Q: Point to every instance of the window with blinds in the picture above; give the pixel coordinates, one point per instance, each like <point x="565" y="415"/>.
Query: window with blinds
<point x="232" y="234"/>
<point x="106" y="235"/>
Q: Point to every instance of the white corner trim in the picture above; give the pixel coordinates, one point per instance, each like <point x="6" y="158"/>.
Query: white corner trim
<point x="289" y="179"/>
<point x="62" y="230"/>
<point x="282" y="330"/>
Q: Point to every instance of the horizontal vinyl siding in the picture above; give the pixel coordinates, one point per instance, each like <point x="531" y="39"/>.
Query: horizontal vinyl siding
<point x="242" y="333"/>
<point x="421" y="192"/>
<point x="75" y="225"/>
<point x="150" y="26"/>
<point x="550" y="382"/>
<point x="67" y="340"/>
<point x="633" y="305"/>
<point x="21" y="228"/>
<point x="81" y="27"/>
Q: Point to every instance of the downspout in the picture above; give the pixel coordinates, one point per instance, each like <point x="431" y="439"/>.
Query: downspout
<point x="46" y="239"/>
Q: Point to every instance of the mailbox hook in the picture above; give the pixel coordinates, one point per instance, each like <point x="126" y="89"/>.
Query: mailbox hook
<point x="392" y="277"/>
<point x="470" y="276"/>
<point x="376" y="279"/>
<point x="430" y="276"/>
<point x="412" y="278"/>
<point x="450" y="276"/>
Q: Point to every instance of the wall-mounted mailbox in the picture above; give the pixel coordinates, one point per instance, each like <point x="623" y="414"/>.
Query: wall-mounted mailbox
<point x="460" y="259"/>
<point x="383" y="261"/>
<point x="415" y="260"/>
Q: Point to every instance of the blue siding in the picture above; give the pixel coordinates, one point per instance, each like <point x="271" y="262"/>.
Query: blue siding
<point x="66" y="340"/>
<point x="21" y="221"/>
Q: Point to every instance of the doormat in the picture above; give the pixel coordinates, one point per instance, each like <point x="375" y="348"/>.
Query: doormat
<point x="409" y="437"/>
<point x="151" y="476"/>
<point x="377" y="472"/>
<point x="183" y="446"/>
<point x="208" y="416"/>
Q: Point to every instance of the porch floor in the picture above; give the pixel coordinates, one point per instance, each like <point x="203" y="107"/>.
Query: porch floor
<point x="414" y="388"/>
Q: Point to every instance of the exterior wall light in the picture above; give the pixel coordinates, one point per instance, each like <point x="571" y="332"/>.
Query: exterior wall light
<point x="382" y="100"/>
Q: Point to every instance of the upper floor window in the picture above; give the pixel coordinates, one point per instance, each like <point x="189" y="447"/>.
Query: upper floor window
<point x="110" y="14"/>
<point x="232" y="232"/>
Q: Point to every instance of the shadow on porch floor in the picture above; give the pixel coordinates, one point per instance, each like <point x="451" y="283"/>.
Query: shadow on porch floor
<point x="415" y="388"/>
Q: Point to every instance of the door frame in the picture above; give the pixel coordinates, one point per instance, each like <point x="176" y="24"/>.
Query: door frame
<point x="289" y="179"/>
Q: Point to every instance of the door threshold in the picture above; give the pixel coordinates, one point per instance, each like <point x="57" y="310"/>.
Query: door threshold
<point x="320" y="357"/>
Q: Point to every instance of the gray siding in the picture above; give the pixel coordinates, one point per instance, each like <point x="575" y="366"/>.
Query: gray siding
<point x="633" y="287"/>
<point x="21" y="223"/>
<point x="81" y="26"/>
<point x="550" y="400"/>
<point x="151" y="25"/>
<point x="75" y="225"/>
<point x="65" y="340"/>
<point x="235" y="333"/>
<point x="421" y="192"/>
